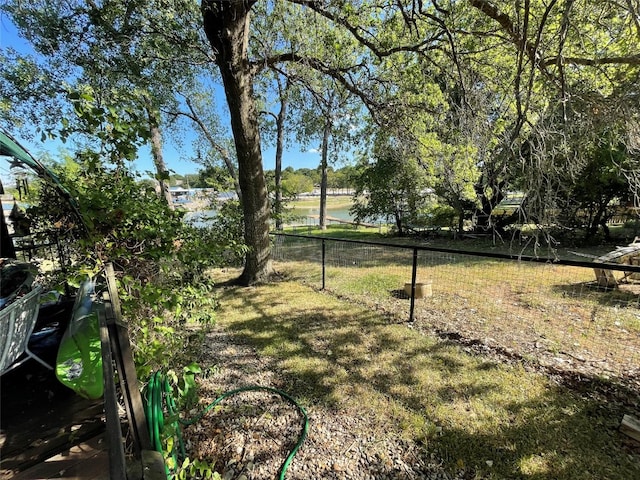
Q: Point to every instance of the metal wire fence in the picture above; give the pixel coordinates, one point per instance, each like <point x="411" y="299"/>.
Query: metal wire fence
<point x="551" y="313"/>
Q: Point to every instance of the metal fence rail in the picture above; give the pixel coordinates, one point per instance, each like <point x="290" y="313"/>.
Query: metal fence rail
<point x="552" y="312"/>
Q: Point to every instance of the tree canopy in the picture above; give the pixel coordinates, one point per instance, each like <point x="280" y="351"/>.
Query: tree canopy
<point x="486" y="97"/>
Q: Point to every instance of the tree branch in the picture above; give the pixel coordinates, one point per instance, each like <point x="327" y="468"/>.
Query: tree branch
<point x="320" y="66"/>
<point x="318" y="7"/>
<point x="224" y="153"/>
<point x="507" y="25"/>
<point x="631" y="60"/>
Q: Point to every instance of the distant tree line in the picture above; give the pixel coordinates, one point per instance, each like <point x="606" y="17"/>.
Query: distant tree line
<point x="294" y="181"/>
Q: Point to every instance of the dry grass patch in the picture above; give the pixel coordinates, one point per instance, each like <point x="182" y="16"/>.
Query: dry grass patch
<point x="484" y="418"/>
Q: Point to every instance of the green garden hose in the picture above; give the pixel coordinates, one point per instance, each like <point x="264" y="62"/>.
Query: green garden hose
<point x="160" y="395"/>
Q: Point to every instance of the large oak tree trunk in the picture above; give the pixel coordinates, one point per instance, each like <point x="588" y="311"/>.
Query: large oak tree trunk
<point x="226" y="24"/>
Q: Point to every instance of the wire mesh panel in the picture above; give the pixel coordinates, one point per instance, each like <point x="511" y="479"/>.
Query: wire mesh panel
<point x="16" y="324"/>
<point x="373" y="275"/>
<point x="552" y="314"/>
<point x="302" y="257"/>
<point x="556" y="315"/>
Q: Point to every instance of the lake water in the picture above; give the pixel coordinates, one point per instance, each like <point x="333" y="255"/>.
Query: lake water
<point x="308" y="216"/>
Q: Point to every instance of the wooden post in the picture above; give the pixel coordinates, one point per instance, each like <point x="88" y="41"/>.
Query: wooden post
<point x="117" y="462"/>
<point x="414" y="273"/>
<point x="126" y="368"/>
<point x="630" y="426"/>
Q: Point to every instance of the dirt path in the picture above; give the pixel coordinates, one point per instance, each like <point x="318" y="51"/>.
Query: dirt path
<point x="252" y="433"/>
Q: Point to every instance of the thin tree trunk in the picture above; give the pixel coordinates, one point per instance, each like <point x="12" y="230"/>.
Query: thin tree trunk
<point x="323" y="181"/>
<point x="158" y="158"/>
<point x="226" y="24"/>
<point x="460" y="221"/>
<point x="398" y="219"/>
<point x="280" y="119"/>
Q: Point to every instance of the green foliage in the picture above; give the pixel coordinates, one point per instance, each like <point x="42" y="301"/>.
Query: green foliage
<point x="183" y="397"/>
<point x="30" y="93"/>
<point x="196" y="303"/>
<point x="480" y="77"/>
<point x="160" y="262"/>
<point x="185" y="387"/>
<point x="128" y="223"/>
<point x="214" y="176"/>
<point x="153" y="341"/>
<point x="226" y="231"/>
<point x="116" y="123"/>
<point x="392" y="184"/>
<point x="439" y="215"/>
<point x="294" y="184"/>
<point x="161" y="321"/>
<point x="593" y="195"/>
<point x="196" y="469"/>
<point x="162" y="316"/>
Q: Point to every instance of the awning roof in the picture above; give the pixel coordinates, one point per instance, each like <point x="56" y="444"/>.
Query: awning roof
<point x="11" y="148"/>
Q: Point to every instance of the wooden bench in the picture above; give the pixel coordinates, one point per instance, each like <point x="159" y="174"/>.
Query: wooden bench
<point x="628" y="255"/>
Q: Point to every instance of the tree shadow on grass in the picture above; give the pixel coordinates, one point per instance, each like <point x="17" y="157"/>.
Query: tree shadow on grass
<point x="493" y="421"/>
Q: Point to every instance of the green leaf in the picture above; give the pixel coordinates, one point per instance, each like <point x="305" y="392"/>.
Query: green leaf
<point x="193" y="368"/>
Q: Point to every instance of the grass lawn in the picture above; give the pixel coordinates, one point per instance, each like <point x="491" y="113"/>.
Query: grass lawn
<point x="333" y="201"/>
<point x="487" y="419"/>
<point x="533" y="308"/>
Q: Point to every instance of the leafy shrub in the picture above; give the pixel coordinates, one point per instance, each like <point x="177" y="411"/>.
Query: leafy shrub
<point x="441" y="215"/>
<point x="226" y="231"/>
<point x="160" y="261"/>
<point x="113" y="216"/>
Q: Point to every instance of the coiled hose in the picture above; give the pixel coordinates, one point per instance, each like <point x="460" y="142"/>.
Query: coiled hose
<point x="160" y="396"/>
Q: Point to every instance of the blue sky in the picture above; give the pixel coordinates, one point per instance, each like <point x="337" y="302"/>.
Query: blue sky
<point x="175" y="156"/>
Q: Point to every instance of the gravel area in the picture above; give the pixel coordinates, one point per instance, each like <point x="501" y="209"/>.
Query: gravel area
<point x="251" y="434"/>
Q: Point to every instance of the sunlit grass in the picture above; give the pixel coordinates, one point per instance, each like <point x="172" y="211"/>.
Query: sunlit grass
<point x="333" y="201"/>
<point x="558" y="308"/>
<point x="491" y="420"/>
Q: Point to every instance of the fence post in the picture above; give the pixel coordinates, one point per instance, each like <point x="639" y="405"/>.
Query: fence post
<point x="323" y="259"/>
<point x="414" y="271"/>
